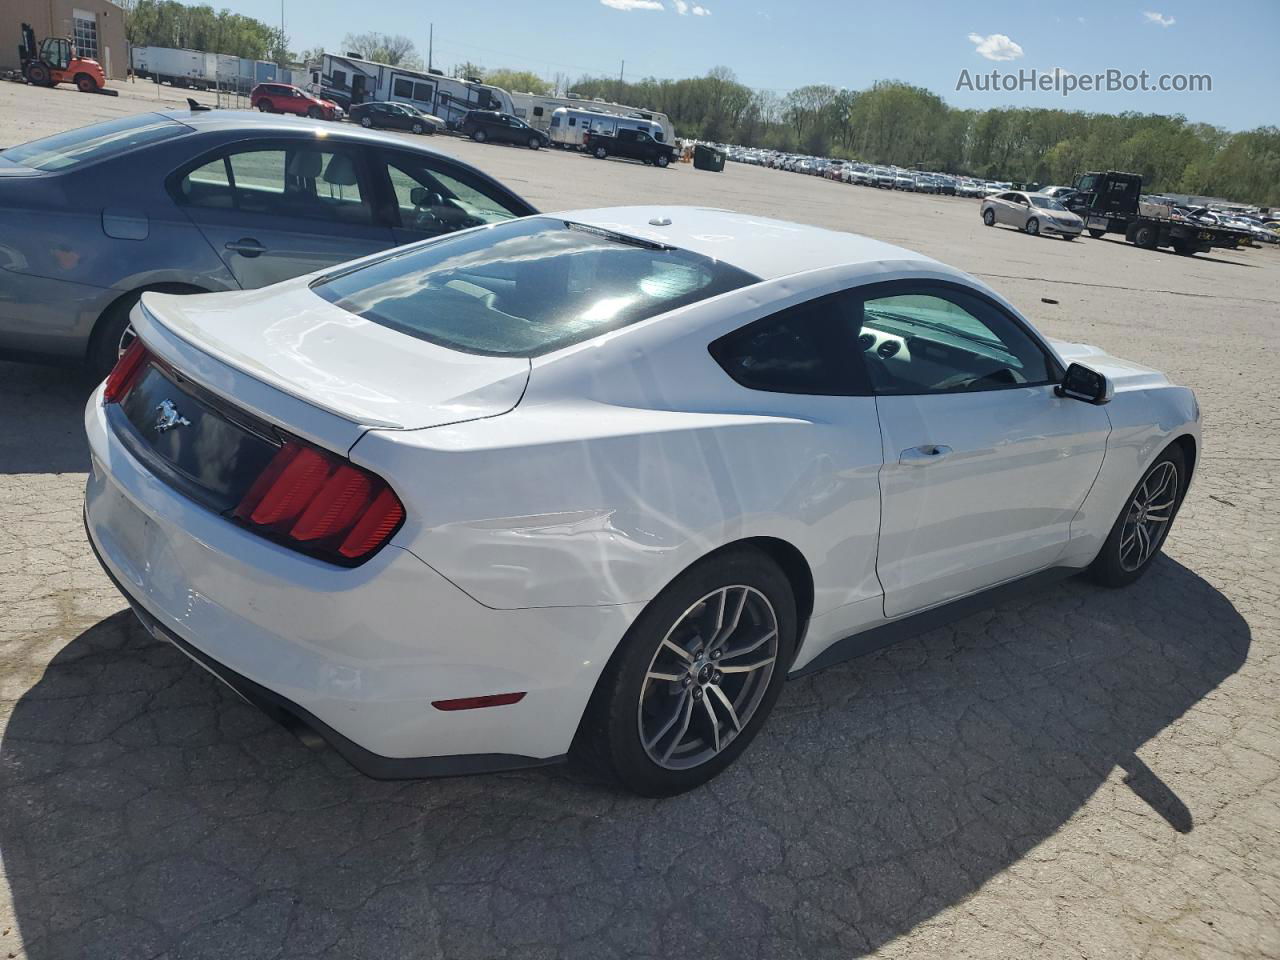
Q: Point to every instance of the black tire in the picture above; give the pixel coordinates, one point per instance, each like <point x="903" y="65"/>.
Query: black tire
<point x="1097" y="234"/>
<point x="109" y="333"/>
<point x="989" y="217"/>
<point x="535" y="143"/>
<point x="1068" y="236"/>
<point x="601" y="153"/>
<point x="479" y="136"/>
<point x="663" y="160"/>
<point x="264" y="106"/>
<point x="366" y="122"/>
<point x="1145" y="237"/>
<point x="416" y="128"/>
<point x="1186" y="248"/>
<point x="38" y="74"/>
<point x="315" y="113"/>
<point x="1108" y="567"/>
<point x="1033" y="226"/>
<point x="609" y="737"/>
<point x="86" y="83"/>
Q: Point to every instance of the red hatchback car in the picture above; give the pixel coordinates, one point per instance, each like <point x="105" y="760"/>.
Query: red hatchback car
<point x="285" y="98"/>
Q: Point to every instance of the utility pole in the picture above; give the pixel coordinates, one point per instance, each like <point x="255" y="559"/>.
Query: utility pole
<point x="431" y="42"/>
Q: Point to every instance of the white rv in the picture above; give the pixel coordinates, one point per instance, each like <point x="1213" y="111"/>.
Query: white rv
<point x="350" y="80"/>
<point x="537" y="110"/>
<point x="568" y="125"/>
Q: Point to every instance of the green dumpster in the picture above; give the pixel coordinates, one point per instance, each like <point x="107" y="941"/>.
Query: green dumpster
<point x="707" y="158"/>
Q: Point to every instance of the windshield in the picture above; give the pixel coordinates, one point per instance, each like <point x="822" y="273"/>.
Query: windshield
<point x="1045" y="203"/>
<point x="95" y="142"/>
<point x="527" y="287"/>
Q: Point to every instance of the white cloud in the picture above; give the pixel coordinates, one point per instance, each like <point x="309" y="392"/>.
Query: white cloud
<point x="684" y="8"/>
<point x="995" y="47"/>
<point x="700" y="11"/>
<point x="1153" y="17"/>
<point x="633" y="4"/>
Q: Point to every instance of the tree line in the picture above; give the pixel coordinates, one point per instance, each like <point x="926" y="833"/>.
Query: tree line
<point x="168" y="23"/>
<point x="898" y="123"/>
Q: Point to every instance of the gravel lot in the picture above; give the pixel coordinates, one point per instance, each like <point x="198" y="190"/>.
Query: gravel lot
<point x="1080" y="773"/>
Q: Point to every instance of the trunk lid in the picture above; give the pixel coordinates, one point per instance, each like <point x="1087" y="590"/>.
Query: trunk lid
<point x="365" y="374"/>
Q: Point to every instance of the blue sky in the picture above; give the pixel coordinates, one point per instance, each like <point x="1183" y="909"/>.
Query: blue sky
<point x="781" y="44"/>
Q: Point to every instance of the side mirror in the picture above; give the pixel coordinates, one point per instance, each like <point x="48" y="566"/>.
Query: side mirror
<point x="1081" y="383"/>
<point x="420" y="197"/>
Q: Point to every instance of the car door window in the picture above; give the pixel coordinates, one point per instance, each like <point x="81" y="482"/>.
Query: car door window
<point x="290" y="181"/>
<point x="434" y="200"/>
<point x="807" y="349"/>
<point x="944" y="340"/>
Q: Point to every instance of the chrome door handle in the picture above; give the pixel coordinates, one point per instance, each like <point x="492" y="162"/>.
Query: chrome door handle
<point x="924" y="454"/>
<point x="246" y="247"/>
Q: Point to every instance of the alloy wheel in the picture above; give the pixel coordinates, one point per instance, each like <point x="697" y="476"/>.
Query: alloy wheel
<point x="708" y="677"/>
<point x="1146" y="521"/>
<point x="127" y="336"/>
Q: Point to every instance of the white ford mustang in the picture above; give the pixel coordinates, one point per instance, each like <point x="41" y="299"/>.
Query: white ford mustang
<point x="603" y="480"/>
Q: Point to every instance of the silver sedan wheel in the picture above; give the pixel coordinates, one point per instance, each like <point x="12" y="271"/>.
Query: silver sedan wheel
<point x="708" y="677"/>
<point x="1146" y="522"/>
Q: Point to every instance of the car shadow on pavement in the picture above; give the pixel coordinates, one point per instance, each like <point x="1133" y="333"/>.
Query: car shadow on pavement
<point x="42" y="429"/>
<point x="146" y="810"/>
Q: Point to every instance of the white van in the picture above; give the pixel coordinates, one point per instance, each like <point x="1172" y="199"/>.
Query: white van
<point x="568" y="124"/>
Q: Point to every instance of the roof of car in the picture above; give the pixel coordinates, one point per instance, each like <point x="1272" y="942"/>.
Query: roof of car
<point x="768" y="248"/>
<point x="266" y="124"/>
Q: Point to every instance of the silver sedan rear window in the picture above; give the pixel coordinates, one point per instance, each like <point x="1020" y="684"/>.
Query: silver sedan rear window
<point x="527" y="287"/>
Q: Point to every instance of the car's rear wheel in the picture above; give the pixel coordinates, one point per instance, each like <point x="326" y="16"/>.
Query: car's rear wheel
<point x="989" y="217"/>
<point x="86" y="83"/>
<point x="1140" y="530"/>
<point x="1145" y="237"/>
<point x="1033" y="226"/>
<point x="601" y="153"/>
<point x="264" y="106"/>
<point x="366" y="122"/>
<point x="695" y="677"/>
<point x="478" y="136"/>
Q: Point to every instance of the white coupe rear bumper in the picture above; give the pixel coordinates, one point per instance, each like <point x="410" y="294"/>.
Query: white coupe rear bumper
<point x="357" y="654"/>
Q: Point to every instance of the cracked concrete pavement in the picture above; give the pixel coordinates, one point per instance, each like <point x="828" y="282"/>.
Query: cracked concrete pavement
<point x="1077" y="773"/>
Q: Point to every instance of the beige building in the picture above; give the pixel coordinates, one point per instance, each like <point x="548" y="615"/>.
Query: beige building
<point x="96" y="27"/>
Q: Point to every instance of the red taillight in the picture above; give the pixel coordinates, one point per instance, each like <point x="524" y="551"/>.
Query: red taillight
<point x="321" y="504"/>
<point x="125" y="373"/>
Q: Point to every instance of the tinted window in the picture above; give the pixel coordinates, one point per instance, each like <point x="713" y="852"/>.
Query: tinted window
<point x="96" y="142"/>
<point x="944" y="341"/>
<point x="526" y="287"/>
<point x="298" y="181"/>
<point x="809" y="348"/>
<point x="402" y="87"/>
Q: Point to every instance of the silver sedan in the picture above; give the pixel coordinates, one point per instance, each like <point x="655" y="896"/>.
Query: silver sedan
<point x="1035" y="213"/>
<point x="193" y="202"/>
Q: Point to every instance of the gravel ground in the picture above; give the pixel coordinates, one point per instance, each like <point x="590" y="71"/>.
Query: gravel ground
<point x="1080" y="773"/>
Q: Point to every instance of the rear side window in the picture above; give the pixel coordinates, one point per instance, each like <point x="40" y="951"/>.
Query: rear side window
<point x="95" y="142"/>
<point x="296" y="181"/>
<point x="810" y="348"/>
<point x="526" y="287"/>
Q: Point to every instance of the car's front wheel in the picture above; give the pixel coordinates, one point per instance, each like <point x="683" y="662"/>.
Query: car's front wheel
<point x="695" y="677"/>
<point x="663" y="160"/>
<point x="535" y="143"/>
<point x="315" y="113"/>
<point x="1140" y="530"/>
<point x="989" y="217"/>
<point x="1033" y="226"/>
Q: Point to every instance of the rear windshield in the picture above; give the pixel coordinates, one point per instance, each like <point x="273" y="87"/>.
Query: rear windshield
<point x="527" y="287"/>
<point x="95" y="142"/>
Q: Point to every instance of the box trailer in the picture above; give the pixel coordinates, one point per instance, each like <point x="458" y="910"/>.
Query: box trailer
<point x="195" y="69"/>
